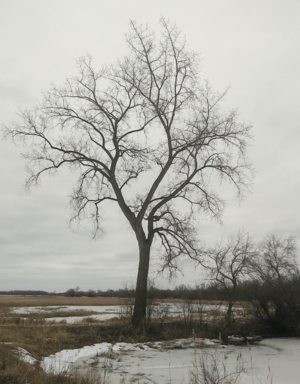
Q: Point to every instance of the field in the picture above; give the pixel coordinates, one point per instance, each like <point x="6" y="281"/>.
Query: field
<point x="30" y="333"/>
<point x="36" y="301"/>
<point x="40" y="338"/>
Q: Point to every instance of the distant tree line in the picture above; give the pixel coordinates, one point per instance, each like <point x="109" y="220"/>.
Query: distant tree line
<point x="24" y="293"/>
<point x="205" y="291"/>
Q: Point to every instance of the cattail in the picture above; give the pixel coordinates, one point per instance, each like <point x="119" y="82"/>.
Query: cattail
<point x="220" y="338"/>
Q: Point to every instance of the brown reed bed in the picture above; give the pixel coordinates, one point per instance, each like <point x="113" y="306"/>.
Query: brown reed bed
<point x="42" y="301"/>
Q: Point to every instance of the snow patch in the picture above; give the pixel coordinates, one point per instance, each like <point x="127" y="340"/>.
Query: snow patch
<point x="25" y="356"/>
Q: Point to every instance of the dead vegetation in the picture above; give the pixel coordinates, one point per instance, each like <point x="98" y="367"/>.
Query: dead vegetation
<point x="40" y="317"/>
<point x="43" y="301"/>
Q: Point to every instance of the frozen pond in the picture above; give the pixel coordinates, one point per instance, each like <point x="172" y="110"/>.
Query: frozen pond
<point x="271" y="359"/>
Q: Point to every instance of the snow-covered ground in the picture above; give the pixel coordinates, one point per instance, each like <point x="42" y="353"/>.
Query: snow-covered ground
<point x="66" y="360"/>
<point x="271" y="361"/>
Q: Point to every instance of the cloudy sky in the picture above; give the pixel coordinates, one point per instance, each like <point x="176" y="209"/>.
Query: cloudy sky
<point x="250" y="45"/>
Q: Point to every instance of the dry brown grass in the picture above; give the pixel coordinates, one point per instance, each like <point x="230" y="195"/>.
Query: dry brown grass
<point x="42" y="301"/>
<point x="40" y="318"/>
<point x="43" y="339"/>
<point x="32" y="332"/>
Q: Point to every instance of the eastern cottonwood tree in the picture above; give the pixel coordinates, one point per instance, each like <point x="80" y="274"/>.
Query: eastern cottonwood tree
<point x="146" y="134"/>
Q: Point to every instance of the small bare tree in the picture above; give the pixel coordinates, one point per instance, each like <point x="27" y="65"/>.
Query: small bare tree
<point x="276" y="260"/>
<point x="275" y="291"/>
<point x="148" y="125"/>
<point x="229" y="263"/>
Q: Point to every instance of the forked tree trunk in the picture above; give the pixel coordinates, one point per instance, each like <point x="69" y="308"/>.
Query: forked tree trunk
<point x="139" y="313"/>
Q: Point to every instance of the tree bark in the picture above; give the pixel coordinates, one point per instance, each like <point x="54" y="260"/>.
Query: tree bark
<point x="139" y="313"/>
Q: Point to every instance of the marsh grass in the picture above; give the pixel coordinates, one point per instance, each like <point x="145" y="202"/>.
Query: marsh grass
<point x="39" y="318"/>
<point x="43" y="301"/>
<point x="43" y="339"/>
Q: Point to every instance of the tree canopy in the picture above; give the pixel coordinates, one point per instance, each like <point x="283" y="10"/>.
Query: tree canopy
<point x="147" y="134"/>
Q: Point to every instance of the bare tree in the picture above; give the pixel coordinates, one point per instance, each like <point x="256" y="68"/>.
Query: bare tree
<point x="229" y="263"/>
<point x="275" y="291"/>
<point x="147" y="115"/>
<point x="276" y="260"/>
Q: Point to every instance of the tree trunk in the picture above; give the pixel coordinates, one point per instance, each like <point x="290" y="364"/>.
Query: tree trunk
<point x="228" y="314"/>
<point x="139" y="313"/>
<point x="226" y="329"/>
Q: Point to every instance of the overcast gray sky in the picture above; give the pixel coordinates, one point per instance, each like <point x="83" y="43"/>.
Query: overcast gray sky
<point x="253" y="46"/>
